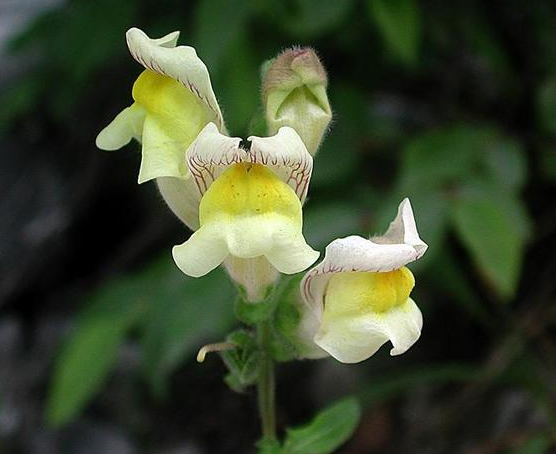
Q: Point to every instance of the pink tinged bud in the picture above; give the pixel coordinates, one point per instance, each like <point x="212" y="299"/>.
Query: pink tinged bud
<point x="294" y="68"/>
<point x="294" y="94"/>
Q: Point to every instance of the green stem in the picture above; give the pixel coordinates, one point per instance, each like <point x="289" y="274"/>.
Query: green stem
<point x="266" y="384"/>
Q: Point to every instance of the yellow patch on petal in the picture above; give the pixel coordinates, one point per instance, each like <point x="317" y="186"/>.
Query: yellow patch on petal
<point x="176" y="110"/>
<point x="247" y="212"/>
<point x="245" y="190"/>
<point x="359" y="293"/>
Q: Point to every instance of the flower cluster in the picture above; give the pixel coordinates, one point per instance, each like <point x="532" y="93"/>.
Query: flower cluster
<point x="244" y="199"/>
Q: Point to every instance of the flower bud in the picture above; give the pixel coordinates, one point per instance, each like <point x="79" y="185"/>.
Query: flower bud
<point x="294" y="94"/>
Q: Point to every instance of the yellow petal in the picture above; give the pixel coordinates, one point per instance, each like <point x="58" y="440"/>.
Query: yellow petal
<point x="174" y="107"/>
<point x="362" y="311"/>
<point x="359" y="293"/>
<point x="249" y="189"/>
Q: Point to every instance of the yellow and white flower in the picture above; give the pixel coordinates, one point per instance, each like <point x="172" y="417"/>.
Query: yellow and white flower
<point x="359" y="294"/>
<point x="173" y="102"/>
<point x="251" y="203"/>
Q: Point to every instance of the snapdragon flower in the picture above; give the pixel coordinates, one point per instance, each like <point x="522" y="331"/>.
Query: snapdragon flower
<point x="358" y="296"/>
<point x="173" y="102"/>
<point x="251" y="202"/>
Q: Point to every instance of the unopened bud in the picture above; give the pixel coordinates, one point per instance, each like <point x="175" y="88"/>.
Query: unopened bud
<point x="294" y="94"/>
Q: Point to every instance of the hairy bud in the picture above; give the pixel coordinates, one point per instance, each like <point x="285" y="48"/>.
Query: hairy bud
<point x="294" y="94"/>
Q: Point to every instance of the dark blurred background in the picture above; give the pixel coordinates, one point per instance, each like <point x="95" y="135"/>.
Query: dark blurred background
<point x="450" y="103"/>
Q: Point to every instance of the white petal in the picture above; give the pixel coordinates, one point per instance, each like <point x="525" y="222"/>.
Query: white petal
<point x="274" y="236"/>
<point x="245" y="238"/>
<point x="399" y="246"/>
<point x="292" y="256"/>
<point x="403" y="230"/>
<point x="182" y="197"/>
<point x="180" y="63"/>
<point x="286" y="154"/>
<point x="210" y="154"/>
<point x="354" y="339"/>
<point x="127" y="125"/>
<point x="201" y="253"/>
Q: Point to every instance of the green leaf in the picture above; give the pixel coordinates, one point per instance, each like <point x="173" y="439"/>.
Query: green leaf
<point x="89" y="353"/>
<point x="217" y="24"/>
<point x="505" y="163"/>
<point x="450" y="156"/>
<point x="266" y="446"/>
<point x="83" y="367"/>
<point x="442" y="157"/>
<point x="493" y="226"/>
<point x="310" y="18"/>
<point x="329" y="430"/>
<point x="399" y="22"/>
<point x="184" y="313"/>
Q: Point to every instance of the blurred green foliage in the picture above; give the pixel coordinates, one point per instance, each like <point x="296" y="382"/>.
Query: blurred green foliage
<point x="451" y="104"/>
<point x="171" y="315"/>
<point x="399" y="23"/>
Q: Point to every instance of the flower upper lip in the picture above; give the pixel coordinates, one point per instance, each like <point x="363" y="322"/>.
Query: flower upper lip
<point x="181" y="63"/>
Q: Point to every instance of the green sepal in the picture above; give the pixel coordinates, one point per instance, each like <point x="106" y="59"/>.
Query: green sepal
<point x="290" y="342"/>
<point x="286" y="322"/>
<point x="242" y="361"/>
<point x="281" y="349"/>
<point x="254" y="313"/>
<point x="233" y="383"/>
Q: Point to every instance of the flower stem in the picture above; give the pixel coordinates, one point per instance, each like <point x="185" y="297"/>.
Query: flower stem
<point x="266" y="384"/>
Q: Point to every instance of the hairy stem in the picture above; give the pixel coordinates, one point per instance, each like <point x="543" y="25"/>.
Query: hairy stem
<point x="266" y="384"/>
